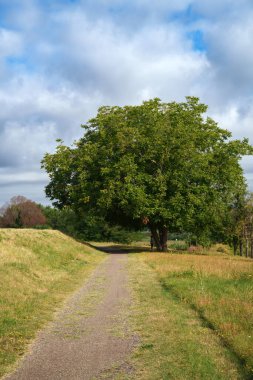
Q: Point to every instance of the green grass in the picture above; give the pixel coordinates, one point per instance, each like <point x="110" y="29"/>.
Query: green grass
<point x="194" y="314"/>
<point x="38" y="269"/>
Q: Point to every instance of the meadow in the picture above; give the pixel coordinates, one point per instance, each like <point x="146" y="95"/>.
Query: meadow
<point x="192" y="313"/>
<point x="38" y="270"/>
<point x="195" y="315"/>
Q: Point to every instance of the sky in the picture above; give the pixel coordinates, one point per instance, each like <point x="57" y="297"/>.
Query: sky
<point x="62" y="59"/>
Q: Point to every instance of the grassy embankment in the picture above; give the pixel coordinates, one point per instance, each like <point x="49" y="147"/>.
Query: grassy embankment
<point x="38" y="269"/>
<point x="195" y="316"/>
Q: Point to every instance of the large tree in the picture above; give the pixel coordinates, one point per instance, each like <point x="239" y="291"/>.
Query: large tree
<point x="163" y="165"/>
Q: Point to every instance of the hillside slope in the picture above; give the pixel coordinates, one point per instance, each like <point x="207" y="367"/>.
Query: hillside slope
<point x="38" y="269"/>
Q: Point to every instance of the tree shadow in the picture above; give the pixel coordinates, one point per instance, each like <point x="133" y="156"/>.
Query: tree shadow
<point x="119" y="249"/>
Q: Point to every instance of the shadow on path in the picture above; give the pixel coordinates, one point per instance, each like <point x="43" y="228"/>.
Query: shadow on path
<point x="118" y="249"/>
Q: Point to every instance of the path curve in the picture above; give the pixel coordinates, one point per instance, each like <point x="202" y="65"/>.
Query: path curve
<point x="90" y="337"/>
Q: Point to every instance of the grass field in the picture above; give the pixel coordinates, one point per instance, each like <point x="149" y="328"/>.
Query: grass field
<point x="38" y="269"/>
<point x="195" y="316"/>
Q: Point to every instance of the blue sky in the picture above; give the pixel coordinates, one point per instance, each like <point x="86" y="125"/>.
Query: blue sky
<point x="61" y="59"/>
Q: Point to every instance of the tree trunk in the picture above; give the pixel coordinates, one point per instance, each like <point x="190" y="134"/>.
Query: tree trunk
<point x="156" y="238"/>
<point x="160" y="237"/>
<point x="251" y="248"/>
<point x="247" y="248"/>
<point x="240" y="245"/>
<point x="235" y="245"/>
<point x="164" y="238"/>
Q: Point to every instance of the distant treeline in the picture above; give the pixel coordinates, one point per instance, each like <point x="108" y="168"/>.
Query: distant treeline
<point x="88" y="227"/>
<point x="21" y="212"/>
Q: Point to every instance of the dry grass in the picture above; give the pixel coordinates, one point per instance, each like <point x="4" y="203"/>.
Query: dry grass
<point x="174" y="343"/>
<point x="222" y="266"/>
<point x="219" y="288"/>
<point x="38" y="269"/>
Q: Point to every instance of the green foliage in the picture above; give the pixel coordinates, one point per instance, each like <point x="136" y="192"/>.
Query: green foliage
<point x="179" y="236"/>
<point x="180" y="245"/>
<point x="160" y="164"/>
<point x="85" y="227"/>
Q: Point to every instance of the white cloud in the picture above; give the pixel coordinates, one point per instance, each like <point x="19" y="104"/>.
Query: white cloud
<point x="82" y="55"/>
<point x="237" y="120"/>
<point x="216" y="9"/>
<point x="10" y="42"/>
<point x="7" y="178"/>
<point x="231" y="54"/>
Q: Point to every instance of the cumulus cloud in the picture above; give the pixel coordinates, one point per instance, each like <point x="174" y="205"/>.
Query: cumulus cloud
<point x="61" y="60"/>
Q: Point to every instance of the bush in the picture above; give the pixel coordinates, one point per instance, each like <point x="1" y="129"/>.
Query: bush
<point x="86" y="227"/>
<point x="179" y="246"/>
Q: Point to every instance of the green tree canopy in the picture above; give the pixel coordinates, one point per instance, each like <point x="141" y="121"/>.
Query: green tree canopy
<point x="165" y="165"/>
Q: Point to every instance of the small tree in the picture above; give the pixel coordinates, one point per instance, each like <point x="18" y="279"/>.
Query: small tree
<point x="22" y="212"/>
<point x="160" y="165"/>
<point x="241" y="228"/>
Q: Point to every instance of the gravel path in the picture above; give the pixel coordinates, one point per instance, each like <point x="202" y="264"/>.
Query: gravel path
<point x="90" y="337"/>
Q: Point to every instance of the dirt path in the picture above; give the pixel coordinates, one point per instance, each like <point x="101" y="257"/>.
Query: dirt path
<point x="90" y="337"/>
